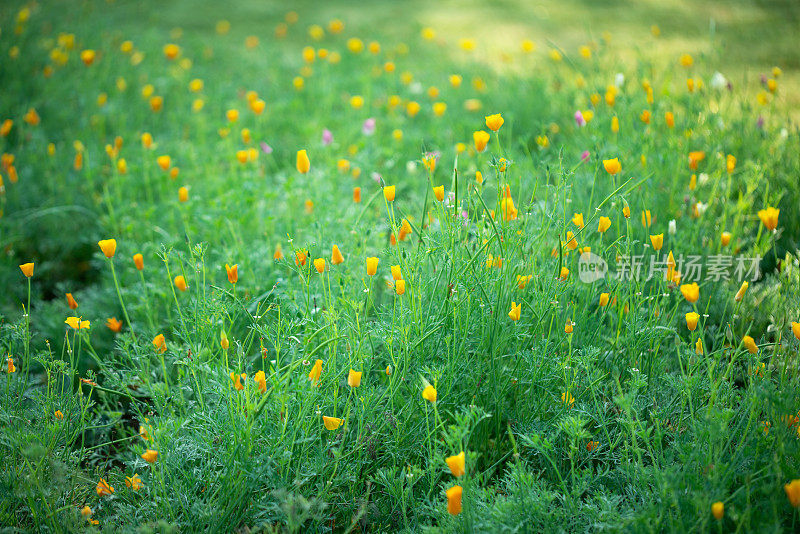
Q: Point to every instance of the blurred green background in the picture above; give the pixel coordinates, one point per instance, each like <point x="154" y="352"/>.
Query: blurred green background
<point x="742" y="38"/>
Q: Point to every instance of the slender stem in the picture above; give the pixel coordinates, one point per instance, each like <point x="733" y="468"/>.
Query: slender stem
<point x="119" y="296"/>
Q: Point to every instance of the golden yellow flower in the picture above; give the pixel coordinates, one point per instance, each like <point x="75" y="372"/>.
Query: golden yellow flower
<point x="332" y="423"/>
<point x="456" y="464"/>
<point x="354" y="378"/>
<point x="454" y="500"/>
<point x="150" y="456"/>
<point x="494" y="122"/>
<point x="612" y="166"/>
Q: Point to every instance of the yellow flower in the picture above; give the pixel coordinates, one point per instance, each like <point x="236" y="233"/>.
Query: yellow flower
<point x="11" y="367"/>
<point x="429" y="393"/>
<point x="159" y="343"/>
<point x="522" y="280"/>
<point x="88" y="56"/>
<point x="439" y="108"/>
<point x="572" y="243"/>
<point x="71" y="302"/>
<point x="567" y="399"/>
<point x="612" y="166"/>
<point x="261" y="381"/>
<point x="355" y="45"/>
<point x="730" y="163"/>
<point x="108" y="246"/>
<point x="238" y="380"/>
<point x="508" y="209"/>
<point x="372" y="265"/>
<point x="232" y="272"/>
<point x="354" y="378"/>
<point x="150" y="456"/>
<point x="657" y="241"/>
<point x="577" y="220"/>
<point x="429" y="161"/>
<point x="27" y="269"/>
<point x="691" y="292"/>
<point x="332" y="423"/>
<point x="563" y="274"/>
<point x="725" y="238"/>
<point x="400" y="286"/>
<point x="223" y="340"/>
<point x="156" y="103"/>
<point x="796" y="329"/>
<point x="412" y="108"/>
<point x="516" y="311"/>
<point x="718" y="510"/>
<point x="604" y="299"/>
<point x="336" y="256"/>
<point x="77" y="324"/>
<point x="669" y="118"/>
<point x="626" y="212"/>
<point x="750" y="344"/>
<point x="58" y="415"/>
<point x="494" y="122"/>
<point x="481" y="139"/>
<point x="183" y="194"/>
<point x="180" y="282"/>
<point x="695" y="157"/>
<point x="439" y="193"/>
<point x="742" y="290"/>
<point x="357" y="102"/>
<point x="171" y="51"/>
<point x="456" y="464"/>
<point x="769" y="217"/>
<point x="603" y="224"/>
<point x="698" y="347"/>
<point x="527" y="46"/>
<point x="568" y="327"/>
<point x="646" y="218"/>
<point x="691" y="320"/>
<point x="104" y="488"/>
<point x="388" y="193"/>
<point x="303" y="163"/>
<point x="316" y="372"/>
<point x="6" y="127"/>
<point x="396" y="272"/>
<point x="793" y="492"/>
<point x="454" y="500"/>
<point x="319" y="265"/>
<point x="686" y="60"/>
<point x="134" y="482"/>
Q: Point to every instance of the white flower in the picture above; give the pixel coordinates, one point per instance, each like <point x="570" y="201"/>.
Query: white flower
<point x="701" y="208"/>
<point x="702" y="178"/>
<point x="718" y="81"/>
<point x="411" y="166"/>
<point x="673" y="228"/>
<point x="619" y="79"/>
<point x="415" y="88"/>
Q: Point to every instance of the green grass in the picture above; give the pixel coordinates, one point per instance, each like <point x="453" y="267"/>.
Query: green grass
<point x="620" y="424"/>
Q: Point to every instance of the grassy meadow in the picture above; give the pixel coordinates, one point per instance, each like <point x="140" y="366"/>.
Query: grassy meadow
<point x="405" y="266"/>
